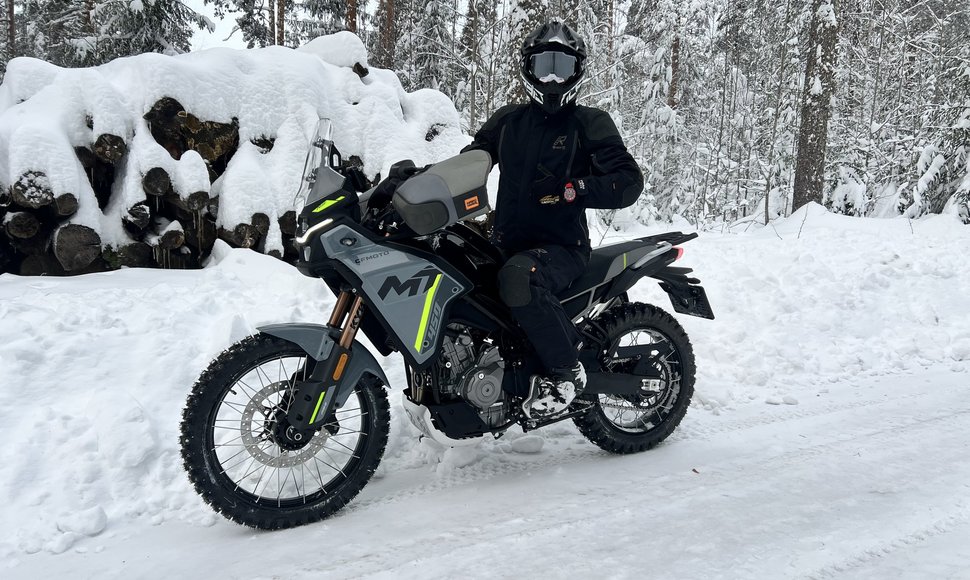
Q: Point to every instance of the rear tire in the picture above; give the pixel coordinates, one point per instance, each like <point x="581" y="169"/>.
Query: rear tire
<point x="634" y="424"/>
<point x="228" y="439"/>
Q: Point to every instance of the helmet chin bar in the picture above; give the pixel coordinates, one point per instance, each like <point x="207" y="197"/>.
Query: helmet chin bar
<point x="551" y="103"/>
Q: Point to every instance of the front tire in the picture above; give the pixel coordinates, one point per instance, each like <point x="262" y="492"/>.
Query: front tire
<point x="241" y="463"/>
<point x="630" y="424"/>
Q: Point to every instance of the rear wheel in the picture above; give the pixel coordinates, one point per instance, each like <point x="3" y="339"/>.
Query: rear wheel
<point x="251" y="466"/>
<point x="629" y="424"/>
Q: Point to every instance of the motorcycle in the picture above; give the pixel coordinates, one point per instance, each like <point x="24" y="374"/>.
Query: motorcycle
<point x="285" y="427"/>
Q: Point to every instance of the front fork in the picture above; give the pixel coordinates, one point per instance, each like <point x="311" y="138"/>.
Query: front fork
<point x="313" y="399"/>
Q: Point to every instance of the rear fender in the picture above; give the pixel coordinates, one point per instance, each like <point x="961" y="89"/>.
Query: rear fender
<point x="686" y="294"/>
<point x="335" y="374"/>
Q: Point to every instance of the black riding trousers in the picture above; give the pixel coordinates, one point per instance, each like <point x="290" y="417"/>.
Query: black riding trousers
<point x="528" y="283"/>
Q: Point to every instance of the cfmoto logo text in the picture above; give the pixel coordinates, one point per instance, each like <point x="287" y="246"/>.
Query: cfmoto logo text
<point x="369" y="257"/>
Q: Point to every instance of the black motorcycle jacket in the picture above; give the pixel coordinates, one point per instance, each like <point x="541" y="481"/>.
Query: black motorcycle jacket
<point x="538" y="154"/>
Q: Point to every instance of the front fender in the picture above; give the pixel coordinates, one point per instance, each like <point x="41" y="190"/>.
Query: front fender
<point x="320" y="344"/>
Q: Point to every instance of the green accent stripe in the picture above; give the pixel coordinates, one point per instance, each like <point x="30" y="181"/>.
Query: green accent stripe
<point x="428" y="301"/>
<point x="317" y="410"/>
<point x="624" y="260"/>
<point x="327" y="203"/>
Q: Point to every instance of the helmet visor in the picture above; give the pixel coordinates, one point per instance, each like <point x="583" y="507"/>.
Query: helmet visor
<point x="552" y="67"/>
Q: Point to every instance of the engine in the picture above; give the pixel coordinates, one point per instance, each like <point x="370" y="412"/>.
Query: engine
<point x="474" y="373"/>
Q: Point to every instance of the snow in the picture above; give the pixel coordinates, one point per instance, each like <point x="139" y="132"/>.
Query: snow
<point x="340" y="49"/>
<point x="273" y="93"/>
<point x="857" y="328"/>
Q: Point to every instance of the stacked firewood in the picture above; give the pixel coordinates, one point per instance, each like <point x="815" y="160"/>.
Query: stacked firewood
<point x="165" y="229"/>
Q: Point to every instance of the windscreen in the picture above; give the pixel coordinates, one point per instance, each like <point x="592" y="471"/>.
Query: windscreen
<point x="319" y="178"/>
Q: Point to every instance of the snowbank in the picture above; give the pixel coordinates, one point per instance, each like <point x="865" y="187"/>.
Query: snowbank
<point x="94" y="370"/>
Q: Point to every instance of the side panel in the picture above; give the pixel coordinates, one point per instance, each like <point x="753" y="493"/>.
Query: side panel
<point x="411" y="293"/>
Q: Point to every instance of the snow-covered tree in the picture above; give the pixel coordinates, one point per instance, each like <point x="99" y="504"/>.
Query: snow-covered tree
<point x="525" y="16"/>
<point x="85" y="33"/>
<point x="435" y="56"/>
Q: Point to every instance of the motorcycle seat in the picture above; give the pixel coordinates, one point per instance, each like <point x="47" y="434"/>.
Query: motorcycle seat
<point x="606" y="263"/>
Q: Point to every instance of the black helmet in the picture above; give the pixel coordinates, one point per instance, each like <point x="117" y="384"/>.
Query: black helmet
<point x="553" y="64"/>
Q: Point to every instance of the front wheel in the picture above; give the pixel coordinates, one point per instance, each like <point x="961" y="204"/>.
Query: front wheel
<point x="249" y="465"/>
<point x="633" y="423"/>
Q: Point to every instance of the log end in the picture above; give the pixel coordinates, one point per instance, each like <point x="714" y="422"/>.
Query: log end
<point x="65" y="205"/>
<point x="22" y="225"/>
<point x="156" y="182"/>
<point x="76" y="246"/>
<point x="110" y="148"/>
<point x="32" y="190"/>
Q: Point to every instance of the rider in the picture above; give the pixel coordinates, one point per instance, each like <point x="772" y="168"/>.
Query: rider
<point x="557" y="159"/>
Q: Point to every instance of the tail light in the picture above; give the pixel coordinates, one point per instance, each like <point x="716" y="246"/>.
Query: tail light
<point x="680" y="253"/>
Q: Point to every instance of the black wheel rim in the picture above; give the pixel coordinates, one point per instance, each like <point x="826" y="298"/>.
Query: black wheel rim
<point x="250" y="465"/>
<point x="638" y="414"/>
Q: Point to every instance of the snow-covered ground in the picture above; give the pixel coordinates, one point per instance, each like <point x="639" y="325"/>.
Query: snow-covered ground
<point x="828" y="436"/>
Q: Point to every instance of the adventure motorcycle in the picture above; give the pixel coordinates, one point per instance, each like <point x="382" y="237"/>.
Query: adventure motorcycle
<point x="285" y="427"/>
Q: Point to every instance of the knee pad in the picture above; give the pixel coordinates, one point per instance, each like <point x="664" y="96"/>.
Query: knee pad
<point x="515" y="280"/>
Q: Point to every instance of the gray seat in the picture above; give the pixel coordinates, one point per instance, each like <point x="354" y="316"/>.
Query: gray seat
<point x="605" y="263"/>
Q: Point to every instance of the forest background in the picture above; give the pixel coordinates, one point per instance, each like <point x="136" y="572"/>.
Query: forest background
<point x="862" y="105"/>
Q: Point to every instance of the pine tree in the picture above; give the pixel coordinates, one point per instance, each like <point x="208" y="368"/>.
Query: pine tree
<point x="256" y="20"/>
<point x="405" y="44"/>
<point x="952" y="118"/>
<point x="309" y="19"/>
<point x="157" y="26"/>
<point x="10" y="46"/>
<point x="79" y="33"/>
<point x="525" y="17"/>
<point x="381" y="42"/>
<point x="434" y="61"/>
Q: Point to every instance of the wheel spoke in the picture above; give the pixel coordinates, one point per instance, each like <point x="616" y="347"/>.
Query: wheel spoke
<point x="235" y="405"/>
<point x="330" y="457"/>
<point x="253" y="393"/>
<point x="347" y="432"/>
<point x="327" y="464"/>
<point x="342" y="445"/>
<point x="228" y="443"/>
<point x="236" y="464"/>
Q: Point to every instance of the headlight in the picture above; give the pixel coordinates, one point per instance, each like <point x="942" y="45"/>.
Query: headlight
<point x="302" y="240"/>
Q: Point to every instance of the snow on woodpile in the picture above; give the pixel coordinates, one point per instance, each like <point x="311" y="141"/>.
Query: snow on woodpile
<point x="96" y="164"/>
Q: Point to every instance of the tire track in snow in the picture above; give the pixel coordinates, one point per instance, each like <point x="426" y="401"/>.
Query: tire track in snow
<point x="706" y="432"/>
<point x="491" y="469"/>
<point x="551" y="527"/>
<point x="730" y="474"/>
<point x="485" y="470"/>
<point x="881" y="550"/>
